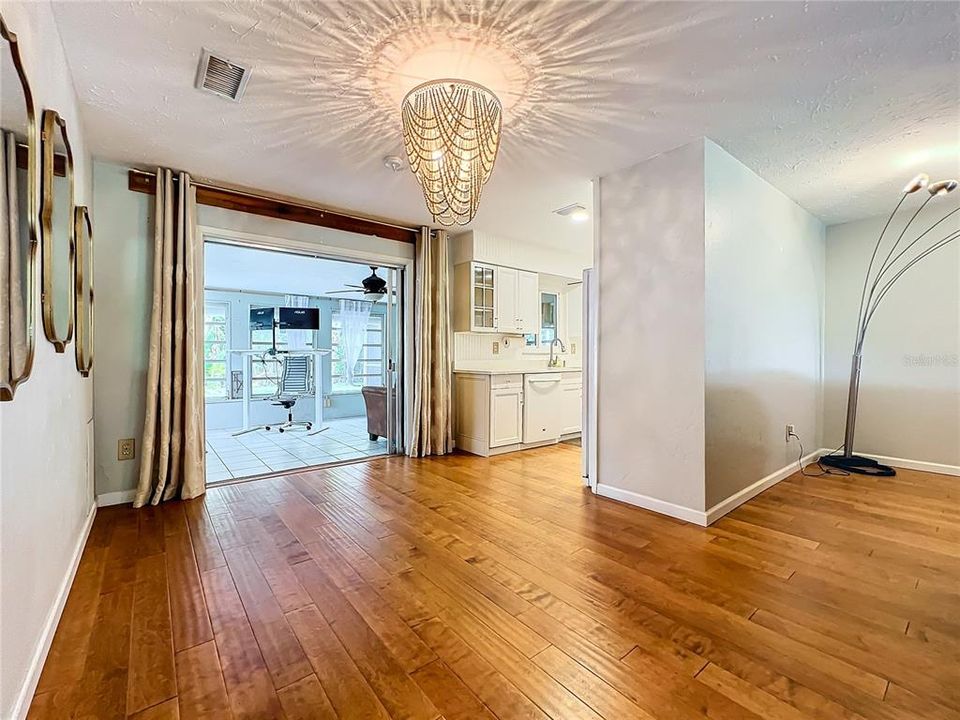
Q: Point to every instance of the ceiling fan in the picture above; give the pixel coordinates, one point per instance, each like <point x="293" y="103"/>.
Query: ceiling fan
<point x="372" y="287"/>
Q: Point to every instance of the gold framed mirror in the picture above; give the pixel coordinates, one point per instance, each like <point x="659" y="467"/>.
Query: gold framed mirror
<point x="57" y="243"/>
<point x="83" y="287"/>
<point x="18" y="229"/>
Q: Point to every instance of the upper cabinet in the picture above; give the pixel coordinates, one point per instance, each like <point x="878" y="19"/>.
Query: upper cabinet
<point x="491" y="298"/>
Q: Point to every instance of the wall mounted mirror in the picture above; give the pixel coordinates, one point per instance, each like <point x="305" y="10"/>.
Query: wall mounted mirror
<point x="83" y="284"/>
<point x="56" y="227"/>
<point x="18" y="238"/>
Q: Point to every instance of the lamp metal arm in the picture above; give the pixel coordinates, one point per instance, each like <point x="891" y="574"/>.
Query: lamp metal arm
<point x="866" y="278"/>
<point x="886" y="266"/>
<point x="889" y="284"/>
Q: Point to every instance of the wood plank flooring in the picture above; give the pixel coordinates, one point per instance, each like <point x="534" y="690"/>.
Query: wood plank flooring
<point x="466" y="587"/>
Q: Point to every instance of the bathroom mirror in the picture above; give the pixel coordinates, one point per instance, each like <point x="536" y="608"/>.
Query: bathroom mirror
<point x="18" y="239"/>
<point x="57" y="228"/>
<point x="83" y="284"/>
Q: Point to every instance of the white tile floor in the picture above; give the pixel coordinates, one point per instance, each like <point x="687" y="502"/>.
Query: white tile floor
<point x="265" y="451"/>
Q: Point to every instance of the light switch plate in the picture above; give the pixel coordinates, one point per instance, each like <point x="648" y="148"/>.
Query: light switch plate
<point x="126" y="449"/>
<point x="496" y="348"/>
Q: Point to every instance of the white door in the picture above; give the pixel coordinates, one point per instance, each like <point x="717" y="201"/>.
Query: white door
<point x="528" y="302"/>
<point x="571" y="407"/>
<point x="506" y="411"/>
<point x="506" y="315"/>
<point x="541" y="407"/>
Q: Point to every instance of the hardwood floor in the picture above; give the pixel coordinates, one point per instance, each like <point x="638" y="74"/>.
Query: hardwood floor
<point x="466" y="587"/>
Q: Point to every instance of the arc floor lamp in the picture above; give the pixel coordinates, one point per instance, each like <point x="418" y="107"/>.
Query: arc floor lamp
<point x="876" y="284"/>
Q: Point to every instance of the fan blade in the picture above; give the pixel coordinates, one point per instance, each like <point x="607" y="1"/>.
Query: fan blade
<point x="337" y="292"/>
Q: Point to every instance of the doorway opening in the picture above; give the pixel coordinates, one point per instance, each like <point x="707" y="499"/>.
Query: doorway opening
<point x="302" y="360"/>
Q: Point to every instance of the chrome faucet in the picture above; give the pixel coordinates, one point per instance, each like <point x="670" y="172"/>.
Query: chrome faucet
<point x="555" y="361"/>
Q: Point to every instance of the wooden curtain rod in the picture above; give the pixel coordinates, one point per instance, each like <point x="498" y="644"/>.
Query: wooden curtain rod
<point x="144" y="182"/>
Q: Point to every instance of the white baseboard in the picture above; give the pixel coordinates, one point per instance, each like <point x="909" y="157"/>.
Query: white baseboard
<point x="650" y="503"/>
<point x="922" y="465"/>
<point x="29" y="687"/>
<point x="116" y="498"/>
<point x="751" y="491"/>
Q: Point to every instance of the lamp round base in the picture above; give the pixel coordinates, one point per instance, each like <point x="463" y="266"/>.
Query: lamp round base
<point x="857" y="464"/>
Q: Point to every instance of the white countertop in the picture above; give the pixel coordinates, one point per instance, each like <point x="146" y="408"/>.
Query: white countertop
<point x="491" y="369"/>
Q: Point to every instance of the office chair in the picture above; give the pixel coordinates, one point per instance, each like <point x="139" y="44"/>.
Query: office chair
<point x="294" y="384"/>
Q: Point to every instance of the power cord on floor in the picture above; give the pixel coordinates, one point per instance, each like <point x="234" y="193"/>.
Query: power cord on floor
<point x="823" y="470"/>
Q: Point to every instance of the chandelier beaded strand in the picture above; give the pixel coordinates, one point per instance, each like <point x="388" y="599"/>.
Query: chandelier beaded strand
<point x="451" y="132"/>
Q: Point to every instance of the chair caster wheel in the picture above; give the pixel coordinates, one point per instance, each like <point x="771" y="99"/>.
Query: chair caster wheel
<point x="309" y="426"/>
<point x="280" y="429"/>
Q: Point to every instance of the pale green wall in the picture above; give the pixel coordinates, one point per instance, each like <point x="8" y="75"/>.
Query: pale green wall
<point x="123" y="266"/>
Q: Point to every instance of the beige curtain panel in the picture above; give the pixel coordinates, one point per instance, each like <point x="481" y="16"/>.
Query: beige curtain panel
<point x="13" y="321"/>
<point x="171" y="463"/>
<point x="432" y="431"/>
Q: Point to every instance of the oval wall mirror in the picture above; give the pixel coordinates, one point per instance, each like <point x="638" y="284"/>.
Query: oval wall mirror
<point x="56" y="228"/>
<point x="18" y="236"/>
<point x="83" y="283"/>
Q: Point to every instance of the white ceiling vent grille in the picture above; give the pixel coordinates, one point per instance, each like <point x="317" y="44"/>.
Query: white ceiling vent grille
<point x="221" y="77"/>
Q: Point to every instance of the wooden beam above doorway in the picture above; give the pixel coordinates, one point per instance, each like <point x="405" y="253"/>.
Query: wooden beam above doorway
<point x="144" y="182"/>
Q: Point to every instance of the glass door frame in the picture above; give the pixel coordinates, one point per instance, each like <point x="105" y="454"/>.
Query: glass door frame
<point x="393" y="361"/>
<point x="396" y="267"/>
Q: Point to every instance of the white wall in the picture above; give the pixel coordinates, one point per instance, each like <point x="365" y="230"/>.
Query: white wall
<point x="910" y="378"/>
<point x="123" y="277"/>
<point x="711" y="305"/>
<point x="650" y="260"/>
<point x="46" y="489"/>
<point x="764" y="321"/>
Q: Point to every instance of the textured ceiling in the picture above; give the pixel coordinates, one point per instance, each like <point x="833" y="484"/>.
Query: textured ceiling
<point x="836" y="104"/>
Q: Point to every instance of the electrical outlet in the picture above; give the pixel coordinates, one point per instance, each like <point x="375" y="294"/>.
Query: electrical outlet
<point x="126" y="449"/>
<point x="573" y="348"/>
<point x="327" y="401"/>
<point x="791" y="430"/>
<point x="496" y="348"/>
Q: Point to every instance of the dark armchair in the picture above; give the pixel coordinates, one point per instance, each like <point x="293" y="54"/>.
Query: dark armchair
<point x="375" y="399"/>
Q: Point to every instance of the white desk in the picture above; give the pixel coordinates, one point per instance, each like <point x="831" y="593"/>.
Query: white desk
<point x="247" y="356"/>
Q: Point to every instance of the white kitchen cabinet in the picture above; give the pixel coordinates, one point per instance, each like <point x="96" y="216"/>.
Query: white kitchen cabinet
<point x="528" y="302"/>
<point x="491" y="298"/>
<point x="506" y="317"/>
<point x="573" y="300"/>
<point x="497" y="413"/>
<point x="571" y="405"/>
<point x="506" y="412"/>
<point x="474" y="307"/>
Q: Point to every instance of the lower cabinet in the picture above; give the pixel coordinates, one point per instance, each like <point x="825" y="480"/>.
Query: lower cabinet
<point x="571" y="406"/>
<point x="506" y="411"/>
<point x="502" y="413"/>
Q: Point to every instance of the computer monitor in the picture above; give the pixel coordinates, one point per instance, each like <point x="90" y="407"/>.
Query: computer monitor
<point x="262" y="318"/>
<point x="299" y="318"/>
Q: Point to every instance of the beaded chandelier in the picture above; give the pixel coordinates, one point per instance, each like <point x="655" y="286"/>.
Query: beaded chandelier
<point x="451" y="131"/>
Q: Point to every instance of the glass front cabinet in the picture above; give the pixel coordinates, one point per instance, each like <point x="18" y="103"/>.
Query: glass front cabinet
<point x="483" y="287"/>
<point x="492" y="298"/>
<point x="474" y="293"/>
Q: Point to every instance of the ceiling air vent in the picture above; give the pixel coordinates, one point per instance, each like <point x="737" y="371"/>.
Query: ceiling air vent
<point x="221" y="77"/>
